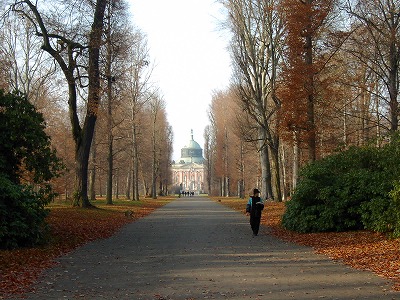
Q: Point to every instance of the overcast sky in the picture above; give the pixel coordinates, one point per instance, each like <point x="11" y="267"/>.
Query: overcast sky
<point x="191" y="59"/>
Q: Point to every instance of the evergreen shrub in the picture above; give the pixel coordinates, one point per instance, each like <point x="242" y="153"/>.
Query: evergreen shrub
<point x="22" y="215"/>
<point x="27" y="164"/>
<point x="355" y="189"/>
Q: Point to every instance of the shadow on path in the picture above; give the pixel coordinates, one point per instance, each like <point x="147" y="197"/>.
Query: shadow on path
<point x="194" y="248"/>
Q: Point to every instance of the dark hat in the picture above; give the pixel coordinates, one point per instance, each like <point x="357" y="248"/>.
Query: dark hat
<point x="256" y="191"/>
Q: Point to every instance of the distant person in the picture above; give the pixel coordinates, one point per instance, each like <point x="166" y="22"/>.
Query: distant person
<point x="254" y="207"/>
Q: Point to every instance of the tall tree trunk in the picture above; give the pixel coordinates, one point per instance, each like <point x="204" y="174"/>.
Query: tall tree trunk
<point x="110" y="163"/>
<point x="378" y="116"/>
<point x="116" y="178"/>
<point x="241" y="180"/>
<point x="135" y="161"/>
<point x="311" y="132"/>
<point x="92" y="181"/>
<point x="82" y="162"/>
<point x="393" y="83"/>
<point x="135" y="178"/>
<point x="296" y="160"/>
<point x="275" y="172"/>
<point x="110" y="139"/>
<point x="209" y="176"/>
<point x="84" y="140"/>
<point x="128" y="184"/>
<point x="226" y="164"/>
<point x="153" y="165"/>
<point x="284" y="173"/>
<point x="266" y="186"/>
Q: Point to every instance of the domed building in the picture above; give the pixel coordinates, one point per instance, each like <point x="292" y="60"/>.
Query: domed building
<point x="188" y="172"/>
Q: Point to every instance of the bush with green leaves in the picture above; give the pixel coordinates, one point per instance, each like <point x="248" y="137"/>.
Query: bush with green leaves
<point x="27" y="164"/>
<point x="353" y="189"/>
<point x="22" y="215"/>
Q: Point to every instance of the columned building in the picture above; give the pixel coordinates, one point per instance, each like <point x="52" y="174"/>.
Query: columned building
<point x="188" y="172"/>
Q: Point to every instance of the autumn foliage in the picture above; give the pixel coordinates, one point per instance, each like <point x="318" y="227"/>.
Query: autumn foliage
<point x="305" y="23"/>
<point x="363" y="250"/>
<point x="70" y="228"/>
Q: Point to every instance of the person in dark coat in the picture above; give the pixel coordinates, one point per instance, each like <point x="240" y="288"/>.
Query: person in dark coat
<point x="254" y="207"/>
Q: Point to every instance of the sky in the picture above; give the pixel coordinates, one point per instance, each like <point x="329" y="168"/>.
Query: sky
<point x="191" y="60"/>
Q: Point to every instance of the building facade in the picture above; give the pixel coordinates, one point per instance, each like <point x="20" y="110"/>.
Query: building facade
<point x="188" y="172"/>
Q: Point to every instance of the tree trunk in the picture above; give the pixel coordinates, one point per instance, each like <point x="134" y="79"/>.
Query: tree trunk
<point x="311" y="133"/>
<point x="110" y="158"/>
<point x="82" y="162"/>
<point x="266" y="186"/>
<point x="227" y="186"/>
<point x="378" y="116"/>
<point x="154" y="172"/>
<point x="394" y="83"/>
<point x="135" y="164"/>
<point x="226" y="164"/>
<point x="116" y="178"/>
<point x="92" y="182"/>
<point x="100" y="183"/>
<point x="128" y="184"/>
<point x="275" y="172"/>
<point x="284" y="173"/>
<point x="84" y="140"/>
<point x="110" y="164"/>
<point x="241" y="180"/>
<point x="296" y="160"/>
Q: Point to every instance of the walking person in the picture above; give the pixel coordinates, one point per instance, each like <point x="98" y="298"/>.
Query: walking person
<point x="254" y="207"/>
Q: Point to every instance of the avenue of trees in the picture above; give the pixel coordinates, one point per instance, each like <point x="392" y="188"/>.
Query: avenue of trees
<point x="86" y="69"/>
<point x="310" y="78"/>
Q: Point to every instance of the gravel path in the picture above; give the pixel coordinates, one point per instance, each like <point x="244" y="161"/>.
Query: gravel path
<point x="194" y="248"/>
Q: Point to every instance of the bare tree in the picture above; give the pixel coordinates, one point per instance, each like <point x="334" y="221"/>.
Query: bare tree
<point x="157" y="105"/>
<point x="256" y="49"/>
<point x="232" y="164"/>
<point x="26" y="67"/>
<point x="381" y="20"/>
<point x="61" y="42"/>
<point x="138" y="92"/>
<point x="116" y="44"/>
<point x="208" y="148"/>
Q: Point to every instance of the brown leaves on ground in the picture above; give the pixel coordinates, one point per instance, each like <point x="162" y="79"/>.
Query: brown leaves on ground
<point x="69" y="228"/>
<point x="360" y="249"/>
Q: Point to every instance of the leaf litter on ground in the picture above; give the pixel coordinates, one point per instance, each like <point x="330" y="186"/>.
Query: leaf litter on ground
<point x="73" y="227"/>
<point x="70" y="227"/>
<point x="362" y="249"/>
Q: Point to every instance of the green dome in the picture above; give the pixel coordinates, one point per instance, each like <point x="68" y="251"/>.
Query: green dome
<point x="192" y="152"/>
<point x="193" y="144"/>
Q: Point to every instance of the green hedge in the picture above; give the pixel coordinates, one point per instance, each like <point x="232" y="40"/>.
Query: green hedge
<point x="354" y="189"/>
